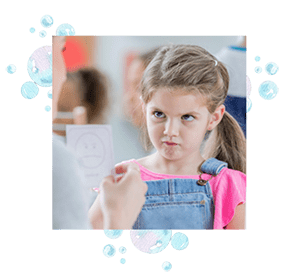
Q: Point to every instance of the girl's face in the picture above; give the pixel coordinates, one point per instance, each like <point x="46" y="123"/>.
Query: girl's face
<point x="177" y="122"/>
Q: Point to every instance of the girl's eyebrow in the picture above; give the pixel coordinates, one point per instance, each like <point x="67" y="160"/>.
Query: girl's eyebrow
<point x="188" y="113"/>
<point x="192" y="113"/>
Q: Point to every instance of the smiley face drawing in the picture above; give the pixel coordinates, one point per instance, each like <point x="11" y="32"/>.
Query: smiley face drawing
<point x="91" y="150"/>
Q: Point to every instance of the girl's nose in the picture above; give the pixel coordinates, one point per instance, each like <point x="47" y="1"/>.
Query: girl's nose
<point x="171" y="129"/>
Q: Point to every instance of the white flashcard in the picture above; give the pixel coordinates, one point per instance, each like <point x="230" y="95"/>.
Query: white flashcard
<point x="94" y="147"/>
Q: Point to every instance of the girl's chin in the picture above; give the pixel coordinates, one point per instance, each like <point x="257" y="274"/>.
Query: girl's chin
<point x="170" y="154"/>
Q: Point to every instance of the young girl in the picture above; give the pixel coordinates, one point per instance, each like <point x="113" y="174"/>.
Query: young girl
<point x="196" y="178"/>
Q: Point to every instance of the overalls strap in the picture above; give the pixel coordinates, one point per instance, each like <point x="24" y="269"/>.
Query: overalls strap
<point x="213" y="166"/>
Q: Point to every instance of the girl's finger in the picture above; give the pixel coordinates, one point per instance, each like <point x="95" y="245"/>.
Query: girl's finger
<point x="125" y="167"/>
<point x="121" y="168"/>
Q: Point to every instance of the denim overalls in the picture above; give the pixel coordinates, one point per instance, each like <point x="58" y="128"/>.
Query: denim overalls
<point x="180" y="203"/>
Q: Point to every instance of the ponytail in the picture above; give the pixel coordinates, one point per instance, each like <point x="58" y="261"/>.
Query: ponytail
<point x="227" y="143"/>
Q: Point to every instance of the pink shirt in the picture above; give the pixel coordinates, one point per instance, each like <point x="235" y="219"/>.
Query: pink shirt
<point x="228" y="189"/>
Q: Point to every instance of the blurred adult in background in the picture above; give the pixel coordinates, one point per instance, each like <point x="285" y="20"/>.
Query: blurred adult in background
<point x="234" y="58"/>
<point x="69" y="198"/>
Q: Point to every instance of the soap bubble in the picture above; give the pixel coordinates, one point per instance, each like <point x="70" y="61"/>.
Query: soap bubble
<point x="257" y="58"/>
<point x="150" y="241"/>
<point x="122" y="261"/>
<point x="166" y="266"/>
<point x="49" y="94"/>
<point x="29" y="90"/>
<point x="122" y="250"/>
<point x="109" y="250"/>
<point x="31" y="30"/>
<point x="268" y="90"/>
<point x="65" y="30"/>
<point x="249" y="104"/>
<point x="271" y="68"/>
<point x="113" y="233"/>
<point x="47" y="108"/>
<point x="43" y="34"/>
<point x="179" y="241"/>
<point x="11" y="69"/>
<point x="248" y="84"/>
<point x="39" y="66"/>
<point x="47" y="21"/>
<point x="258" y="69"/>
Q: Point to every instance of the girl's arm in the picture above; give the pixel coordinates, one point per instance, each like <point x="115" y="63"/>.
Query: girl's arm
<point x="238" y="220"/>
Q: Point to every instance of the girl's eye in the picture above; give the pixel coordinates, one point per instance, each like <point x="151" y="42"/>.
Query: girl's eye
<point x="188" y="118"/>
<point x="158" y="114"/>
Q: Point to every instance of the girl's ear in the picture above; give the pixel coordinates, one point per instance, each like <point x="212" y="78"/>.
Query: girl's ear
<point x="216" y="117"/>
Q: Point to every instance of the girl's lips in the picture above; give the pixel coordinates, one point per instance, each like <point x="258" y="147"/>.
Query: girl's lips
<point x="170" y="143"/>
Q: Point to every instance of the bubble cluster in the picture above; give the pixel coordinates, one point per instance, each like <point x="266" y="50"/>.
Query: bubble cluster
<point x="258" y="69"/>
<point x="47" y="108"/>
<point x="43" y="34"/>
<point x="65" y="30"/>
<point x="49" y="94"/>
<point x="257" y="58"/>
<point x="32" y="30"/>
<point x="11" y="68"/>
<point x="122" y="261"/>
<point x="39" y="66"/>
<point x="109" y="250"/>
<point x="268" y="90"/>
<point x="271" y="68"/>
<point x="150" y="241"/>
<point x="29" y="90"/>
<point x="47" y="21"/>
<point x="113" y="233"/>
<point x="122" y="250"/>
<point x="166" y="266"/>
<point x="179" y="241"/>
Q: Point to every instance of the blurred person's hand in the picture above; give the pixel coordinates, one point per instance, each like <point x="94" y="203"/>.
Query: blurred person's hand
<point x="119" y="203"/>
<point x="80" y="115"/>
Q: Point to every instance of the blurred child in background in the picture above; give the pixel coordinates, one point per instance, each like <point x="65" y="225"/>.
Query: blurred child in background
<point x="86" y="88"/>
<point x="131" y="101"/>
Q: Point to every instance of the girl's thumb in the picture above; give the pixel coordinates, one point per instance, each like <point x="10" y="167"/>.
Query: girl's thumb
<point x="80" y="115"/>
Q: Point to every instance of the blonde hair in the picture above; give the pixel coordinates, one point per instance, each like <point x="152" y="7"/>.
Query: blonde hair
<point x="193" y="69"/>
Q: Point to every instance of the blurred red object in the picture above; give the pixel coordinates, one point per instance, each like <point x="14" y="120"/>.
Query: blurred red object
<point x="75" y="55"/>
